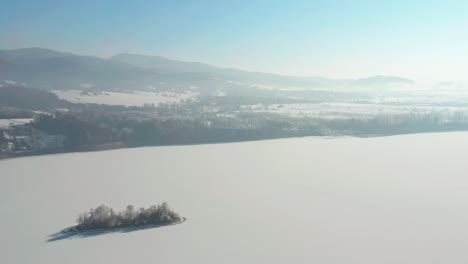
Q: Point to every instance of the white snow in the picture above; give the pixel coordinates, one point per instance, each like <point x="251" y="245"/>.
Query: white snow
<point x="4" y="123"/>
<point x="133" y="98"/>
<point x="10" y="82"/>
<point x="399" y="199"/>
<point x="346" y="110"/>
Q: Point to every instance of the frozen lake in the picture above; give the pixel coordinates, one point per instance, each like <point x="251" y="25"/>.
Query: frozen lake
<point x="400" y="199"/>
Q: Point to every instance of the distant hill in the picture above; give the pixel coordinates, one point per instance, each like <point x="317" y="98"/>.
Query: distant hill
<point x="52" y="70"/>
<point x="47" y="69"/>
<point x="383" y="80"/>
<point x="4" y="65"/>
<point x="163" y="64"/>
<point x="228" y="75"/>
<point x="30" y="54"/>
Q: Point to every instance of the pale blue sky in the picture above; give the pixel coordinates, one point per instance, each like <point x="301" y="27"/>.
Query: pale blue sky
<point x="420" y="39"/>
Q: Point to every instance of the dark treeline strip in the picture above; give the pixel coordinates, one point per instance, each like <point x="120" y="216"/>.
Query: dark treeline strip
<point x="145" y="128"/>
<point x="8" y="112"/>
<point x="29" y="98"/>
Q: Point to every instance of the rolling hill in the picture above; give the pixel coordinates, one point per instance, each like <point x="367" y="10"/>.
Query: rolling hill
<point x="53" y="70"/>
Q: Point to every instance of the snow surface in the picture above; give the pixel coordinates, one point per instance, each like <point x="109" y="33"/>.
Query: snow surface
<point x="347" y="110"/>
<point x="132" y="98"/>
<point x="400" y="199"/>
<point x="5" y="123"/>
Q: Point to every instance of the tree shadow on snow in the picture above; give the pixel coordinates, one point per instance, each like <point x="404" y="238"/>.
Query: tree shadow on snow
<point x="71" y="233"/>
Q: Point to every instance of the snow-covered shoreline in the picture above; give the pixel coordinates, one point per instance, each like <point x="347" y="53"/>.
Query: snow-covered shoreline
<point x="72" y="232"/>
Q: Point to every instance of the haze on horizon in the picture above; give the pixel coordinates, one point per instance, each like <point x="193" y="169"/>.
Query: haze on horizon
<point x="421" y="40"/>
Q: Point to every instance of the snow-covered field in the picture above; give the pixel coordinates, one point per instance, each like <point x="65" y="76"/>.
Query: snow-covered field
<point x="133" y="98"/>
<point x="346" y="110"/>
<point x="4" y="123"/>
<point x="419" y="101"/>
<point x="400" y="199"/>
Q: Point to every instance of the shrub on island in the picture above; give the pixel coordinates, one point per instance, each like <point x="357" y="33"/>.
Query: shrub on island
<point x="104" y="217"/>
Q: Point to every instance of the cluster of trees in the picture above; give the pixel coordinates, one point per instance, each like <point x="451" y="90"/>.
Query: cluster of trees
<point x="394" y="124"/>
<point x="77" y="130"/>
<point x="105" y="217"/>
<point x="29" y="98"/>
<point x="8" y="112"/>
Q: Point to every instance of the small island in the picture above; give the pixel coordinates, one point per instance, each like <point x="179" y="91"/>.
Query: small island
<point x="105" y="218"/>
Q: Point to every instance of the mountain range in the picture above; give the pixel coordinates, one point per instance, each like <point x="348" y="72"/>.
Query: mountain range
<point x="53" y="70"/>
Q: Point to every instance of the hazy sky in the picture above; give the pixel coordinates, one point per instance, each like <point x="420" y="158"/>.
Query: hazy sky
<point x="420" y="39"/>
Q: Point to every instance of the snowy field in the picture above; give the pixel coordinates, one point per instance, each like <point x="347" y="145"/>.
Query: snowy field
<point x="122" y="98"/>
<point x="400" y="199"/>
<point x="4" y="123"/>
<point x="347" y="110"/>
<point x="421" y="101"/>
